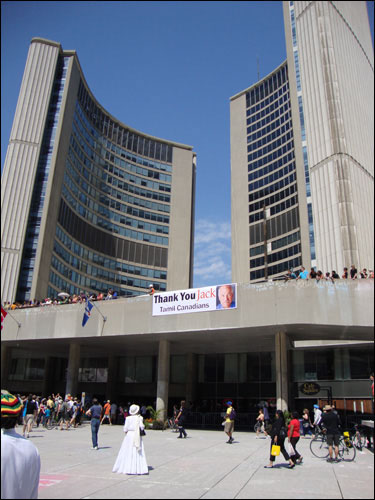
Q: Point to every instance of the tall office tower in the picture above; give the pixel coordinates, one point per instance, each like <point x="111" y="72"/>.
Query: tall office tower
<point x="302" y="149"/>
<point x="88" y="203"/>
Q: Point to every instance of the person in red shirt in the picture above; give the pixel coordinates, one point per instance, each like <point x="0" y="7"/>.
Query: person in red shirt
<point x="293" y="437"/>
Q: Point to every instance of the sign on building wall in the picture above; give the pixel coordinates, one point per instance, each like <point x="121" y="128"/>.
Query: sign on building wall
<point x="210" y="298"/>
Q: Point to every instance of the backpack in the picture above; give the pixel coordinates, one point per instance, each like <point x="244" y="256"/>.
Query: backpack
<point x="233" y="414"/>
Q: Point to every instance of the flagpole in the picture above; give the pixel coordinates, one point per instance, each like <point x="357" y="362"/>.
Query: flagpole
<point x="104" y="317"/>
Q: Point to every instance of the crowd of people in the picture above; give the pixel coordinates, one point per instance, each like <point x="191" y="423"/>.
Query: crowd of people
<point x="303" y="274"/>
<point x="65" y="298"/>
<point x="66" y="412"/>
<point x="21" y="456"/>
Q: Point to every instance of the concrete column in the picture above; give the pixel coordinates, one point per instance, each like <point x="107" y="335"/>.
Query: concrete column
<point x="281" y="355"/>
<point x="163" y="378"/>
<point x="112" y="377"/>
<point x="6" y="353"/>
<point x="191" y="377"/>
<point x="73" y="366"/>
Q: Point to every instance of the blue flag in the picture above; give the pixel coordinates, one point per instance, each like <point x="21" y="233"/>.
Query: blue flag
<point x="87" y="312"/>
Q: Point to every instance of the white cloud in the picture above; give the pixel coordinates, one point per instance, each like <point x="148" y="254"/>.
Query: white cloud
<point x="212" y="253"/>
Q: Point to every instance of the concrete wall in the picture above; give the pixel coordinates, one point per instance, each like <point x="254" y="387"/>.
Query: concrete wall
<point x="304" y="310"/>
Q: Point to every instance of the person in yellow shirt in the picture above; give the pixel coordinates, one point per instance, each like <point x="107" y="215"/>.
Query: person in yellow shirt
<point x="229" y="422"/>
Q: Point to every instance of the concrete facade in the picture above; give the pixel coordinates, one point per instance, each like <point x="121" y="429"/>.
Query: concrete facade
<point x="328" y="94"/>
<point x="336" y="65"/>
<point x="269" y="317"/>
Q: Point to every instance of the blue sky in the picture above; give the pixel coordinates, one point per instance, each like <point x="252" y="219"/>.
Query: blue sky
<point x="167" y="69"/>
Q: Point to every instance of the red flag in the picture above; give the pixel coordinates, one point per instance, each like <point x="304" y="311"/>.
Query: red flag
<point x="3" y="314"/>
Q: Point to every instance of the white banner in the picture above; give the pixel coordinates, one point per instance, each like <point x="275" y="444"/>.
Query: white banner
<point x="210" y="298"/>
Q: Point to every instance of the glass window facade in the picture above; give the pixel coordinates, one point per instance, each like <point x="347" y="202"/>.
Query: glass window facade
<point x="273" y="197"/>
<point x="114" y="216"/>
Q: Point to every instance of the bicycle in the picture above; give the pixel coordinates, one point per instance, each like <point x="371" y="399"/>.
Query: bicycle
<point x="320" y="449"/>
<point x="347" y="449"/>
<point x="359" y="437"/>
<point x="259" y="428"/>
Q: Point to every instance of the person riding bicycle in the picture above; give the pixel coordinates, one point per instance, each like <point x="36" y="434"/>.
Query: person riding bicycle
<point x="259" y="422"/>
<point x="331" y="422"/>
<point x="317" y="419"/>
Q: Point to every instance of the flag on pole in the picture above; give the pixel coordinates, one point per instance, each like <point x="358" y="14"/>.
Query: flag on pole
<point x="3" y="314"/>
<point x="87" y="312"/>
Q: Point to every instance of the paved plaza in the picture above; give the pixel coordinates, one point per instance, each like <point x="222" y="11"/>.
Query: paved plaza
<point x="201" y="466"/>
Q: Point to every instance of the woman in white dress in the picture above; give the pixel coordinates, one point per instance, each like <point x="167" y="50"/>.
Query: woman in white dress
<point x="131" y="458"/>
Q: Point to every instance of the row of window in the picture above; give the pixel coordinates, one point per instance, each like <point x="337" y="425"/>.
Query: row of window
<point x="272" y="188"/>
<point x="266" y="111"/>
<point x="108" y="244"/>
<point x="271" y="167"/>
<point x="277" y="269"/>
<point x="120" y="135"/>
<point x="266" y="102"/>
<point x="57" y="283"/>
<point x="94" y="271"/>
<point x="265" y="88"/>
<point x="277" y="226"/>
<point x="272" y="199"/>
<point x="109" y="202"/>
<point x="270" y="147"/>
<point x="93" y="159"/>
<point x="284" y="111"/>
<point x="266" y="130"/>
<point x="120" y="195"/>
<point x="274" y="257"/>
<point x="103" y="146"/>
<point x="266" y="139"/>
<point x="290" y="202"/>
<point x="273" y="177"/>
<point x="88" y="256"/>
<point x="276" y="154"/>
<point x="111" y="279"/>
<point x="79" y="193"/>
<point x="282" y="242"/>
<point x="109" y="226"/>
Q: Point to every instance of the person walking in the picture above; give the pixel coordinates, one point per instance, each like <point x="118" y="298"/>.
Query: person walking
<point x="331" y="422"/>
<point x="317" y="419"/>
<point x="107" y="412"/>
<point x="259" y="422"/>
<point x="229" y="422"/>
<point x="131" y="458"/>
<point x="306" y="423"/>
<point x="293" y="437"/>
<point x="20" y="459"/>
<point x="29" y="415"/>
<point x="181" y="419"/>
<point x="95" y="412"/>
<point x="278" y="435"/>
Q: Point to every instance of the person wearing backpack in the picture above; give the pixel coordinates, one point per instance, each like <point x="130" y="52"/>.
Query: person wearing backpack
<point x="229" y="421"/>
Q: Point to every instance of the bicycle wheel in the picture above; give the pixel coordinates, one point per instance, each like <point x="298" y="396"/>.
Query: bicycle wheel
<point x="319" y="447"/>
<point x="347" y="450"/>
